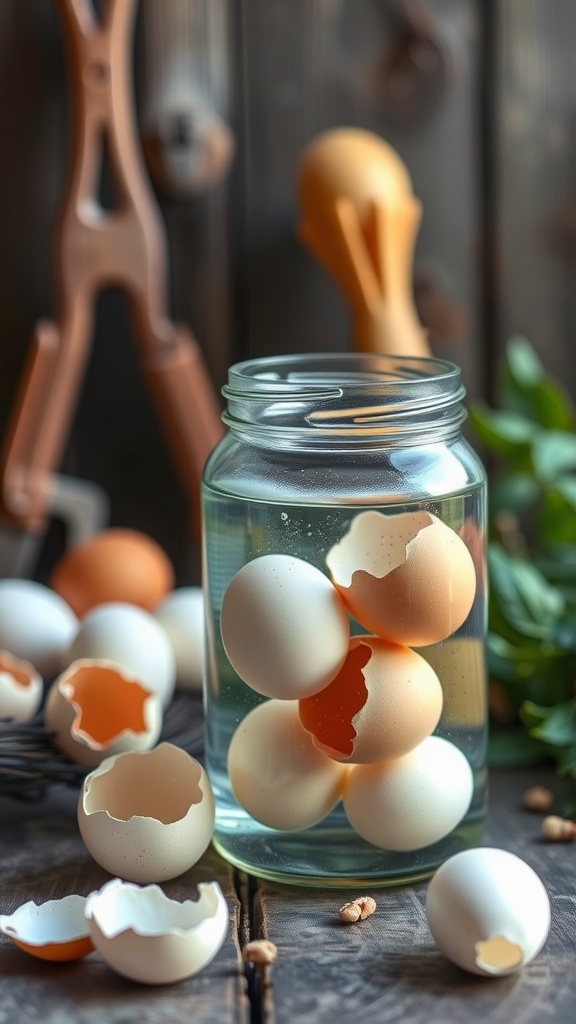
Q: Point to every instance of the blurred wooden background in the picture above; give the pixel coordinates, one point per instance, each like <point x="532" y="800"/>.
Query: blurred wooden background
<point x="479" y="99"/>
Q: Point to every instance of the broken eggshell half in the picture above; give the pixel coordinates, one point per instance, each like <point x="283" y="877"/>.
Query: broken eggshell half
<point x="21" y="688"/>
<point x="408" y="578"/>
<point x="95" y="709"/>
<point x="55" y="930"/>
<point x="147" y="816"/>
<point x="147" y="937"/>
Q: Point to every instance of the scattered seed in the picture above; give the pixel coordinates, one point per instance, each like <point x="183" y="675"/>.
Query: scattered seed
<point x="558" y="830"/>
<point x="538" y="798"/>
<point x="357" y="910"/>
<point x="259" y="951"/>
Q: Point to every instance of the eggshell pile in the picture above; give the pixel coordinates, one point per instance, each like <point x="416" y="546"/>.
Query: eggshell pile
<point x="488" y="911"/>
<point x="147" y="816"/>
<point x="113" y="565"/>
<point x="147" y="937"/>
<point x="370" y="702"/>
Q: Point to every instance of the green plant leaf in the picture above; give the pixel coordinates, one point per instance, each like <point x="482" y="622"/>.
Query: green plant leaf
<point x="553" y="452"/>
<point x="556" y="519"/>
<point x="504" y="433"/>
<point x="555" y="725"/>
<point x="514" y="492"/>
<point x="523" y="596"/>
<point x="525" y="387"/>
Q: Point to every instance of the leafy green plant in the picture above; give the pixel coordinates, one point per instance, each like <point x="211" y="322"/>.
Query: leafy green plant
<point x="530" y="441"/>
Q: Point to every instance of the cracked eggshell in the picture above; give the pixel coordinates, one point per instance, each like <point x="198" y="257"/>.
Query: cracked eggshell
<point x="21" y="688"/>
<point x="284" y="627"/>
<point x="147" y="816"/>
<point x="488" y="911"/>
<point x="36" y="625"/>
<point x="94" y="710"/>
<point x="56" y="930"/>
<point x="408" y="578"/>
<point x="384" y="701"/>
<point x="276" y="772"/>
<point x="147" y="937"/>
<point x="133" y="639"/>
<point x="412" y="801"/>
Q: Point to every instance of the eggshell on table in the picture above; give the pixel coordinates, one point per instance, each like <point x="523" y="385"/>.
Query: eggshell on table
<point x="56" y="930"/>
<point x="147" y="937"/>
<point x="94" y="710"/>
<point x="408" y="578"/>
<point x="488" y="911"/>
<point x="284" y="627"/>
<point x="412" y="801"/>
<point x="181" y="615"/>
<point x="133" y="639"/>
<point x="36" y="625"/>
<point x="113" y="565"/>
<point x="21" y="688"/>
<point x="147" y="816"/>
<point x="275" y="771"/>
<point x="384" y="701"/>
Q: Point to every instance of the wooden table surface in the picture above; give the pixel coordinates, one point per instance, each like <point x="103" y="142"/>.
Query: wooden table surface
<point x="384" y="969"/>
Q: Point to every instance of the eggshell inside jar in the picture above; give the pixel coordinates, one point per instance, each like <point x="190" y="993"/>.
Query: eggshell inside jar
<point x="147" y="816"/>
<point x="284" y="627"/>
<point x="488" y="911"/>
<point x="113" y="565"/>
<point x="94" y="710"/>
<point x="36" y="625"/>
<point x="277" y="774"/>
<point x="133" y="639"/>
<point x="21" y="688"/>
<point x="56" y="930"/>
<point x="149" y="938"/>
<point x="412" y="801"/>
<point x="408" y="578"/>
<point x="384" y="701"/>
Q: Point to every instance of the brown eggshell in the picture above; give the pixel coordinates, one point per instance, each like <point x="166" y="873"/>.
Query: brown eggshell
<point x="384" y="701"/>
<point x="114" y="565"/>
<point x="408" y="578"/>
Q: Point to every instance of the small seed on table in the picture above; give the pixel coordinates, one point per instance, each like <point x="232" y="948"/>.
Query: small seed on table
<point x="259" y="951"/>
<point x="558" y="830"/>
<point x="538" y="798"/>
<point x="357" y="910"/>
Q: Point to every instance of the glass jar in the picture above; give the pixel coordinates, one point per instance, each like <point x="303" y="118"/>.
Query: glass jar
<point x="344" y="500"/>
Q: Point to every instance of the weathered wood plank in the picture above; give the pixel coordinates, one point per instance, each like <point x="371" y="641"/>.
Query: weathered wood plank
<point x="387" y="967"/>
<point x="42" y="857"/>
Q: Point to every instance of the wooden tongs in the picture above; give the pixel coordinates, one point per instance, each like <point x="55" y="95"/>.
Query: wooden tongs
<point x="95" y="248"/>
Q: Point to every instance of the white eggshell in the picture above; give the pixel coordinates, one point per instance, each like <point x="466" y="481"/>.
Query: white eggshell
<point x="36" y="625"/>
<point x="488" y="911"/>
<point x="94" y="710"/>
<point x="276" y="772"/>
<point x="21" y="688"/>
<point x="133" y="639"/>
<point x="412" y="801"/>
<point x="284" y="627"/>
<point x="408" y="578"/>
<point x="181" y="615"/>
<point x="147" y="816"/>
<point x="56" y="930"/>
<point x="147" y="937"/>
